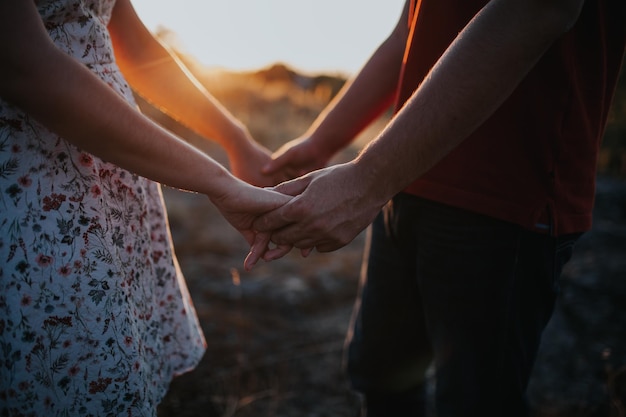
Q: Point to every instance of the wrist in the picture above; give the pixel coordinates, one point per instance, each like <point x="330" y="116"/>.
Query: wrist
<point x="220" y="186"/>
<point x="237" y="142"/>
<point x="324" y="146"/>
<point x="236" y="138"/>
<point x="375" y="179"/>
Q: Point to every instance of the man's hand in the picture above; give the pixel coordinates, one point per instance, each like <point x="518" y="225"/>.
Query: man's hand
<point x="330" y="208"/>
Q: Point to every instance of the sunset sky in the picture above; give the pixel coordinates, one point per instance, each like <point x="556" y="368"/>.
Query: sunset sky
<point x="321" y="35"/>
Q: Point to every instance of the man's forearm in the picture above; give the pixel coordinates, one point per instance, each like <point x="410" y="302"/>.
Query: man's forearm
<point x="472" y="79"/>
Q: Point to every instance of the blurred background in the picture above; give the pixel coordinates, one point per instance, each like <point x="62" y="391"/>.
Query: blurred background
<point x="275" y="334"/>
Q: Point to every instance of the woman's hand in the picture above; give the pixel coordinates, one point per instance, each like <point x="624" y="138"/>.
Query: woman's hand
<point x="240" y="205"/>
<point x="296" y="158"/>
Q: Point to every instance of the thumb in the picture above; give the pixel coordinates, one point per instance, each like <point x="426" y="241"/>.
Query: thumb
<point x="293" y="187"/>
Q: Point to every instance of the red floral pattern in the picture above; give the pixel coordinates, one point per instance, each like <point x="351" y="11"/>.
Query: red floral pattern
<point x="95" y="317"/>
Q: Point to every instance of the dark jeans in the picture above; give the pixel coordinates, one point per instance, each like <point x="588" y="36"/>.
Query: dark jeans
<point x="466" y="293"/>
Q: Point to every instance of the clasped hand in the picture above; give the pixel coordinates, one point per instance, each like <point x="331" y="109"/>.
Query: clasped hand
<point x="328" y="208"/>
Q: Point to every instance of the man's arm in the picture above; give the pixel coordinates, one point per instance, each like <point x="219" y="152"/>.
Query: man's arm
<point x="475" y="75"/>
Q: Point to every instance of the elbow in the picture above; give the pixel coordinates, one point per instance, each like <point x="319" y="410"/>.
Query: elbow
<point x="570" y="12"/>
<point x="563" y="14"/>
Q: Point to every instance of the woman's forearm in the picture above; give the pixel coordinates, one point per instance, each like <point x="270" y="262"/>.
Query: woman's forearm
<point x="156" y="74"/>
<point x="67" y="98"/>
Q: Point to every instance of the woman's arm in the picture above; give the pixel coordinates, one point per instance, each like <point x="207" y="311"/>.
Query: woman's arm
<point x="160" y="77"/>
<point x="67" y="98"/>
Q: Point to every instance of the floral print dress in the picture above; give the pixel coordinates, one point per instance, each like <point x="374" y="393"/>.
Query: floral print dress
<point x="95" y="317"/>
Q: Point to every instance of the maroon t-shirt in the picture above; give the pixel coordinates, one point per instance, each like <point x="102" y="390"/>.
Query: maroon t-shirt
<point x="535" y="158"/>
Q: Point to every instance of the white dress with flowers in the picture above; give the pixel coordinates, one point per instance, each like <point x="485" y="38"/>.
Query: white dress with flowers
<point x="95" y="317"/>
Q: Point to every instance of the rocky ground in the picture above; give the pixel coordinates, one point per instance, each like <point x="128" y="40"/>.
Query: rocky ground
<point x="275" y="335"/>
